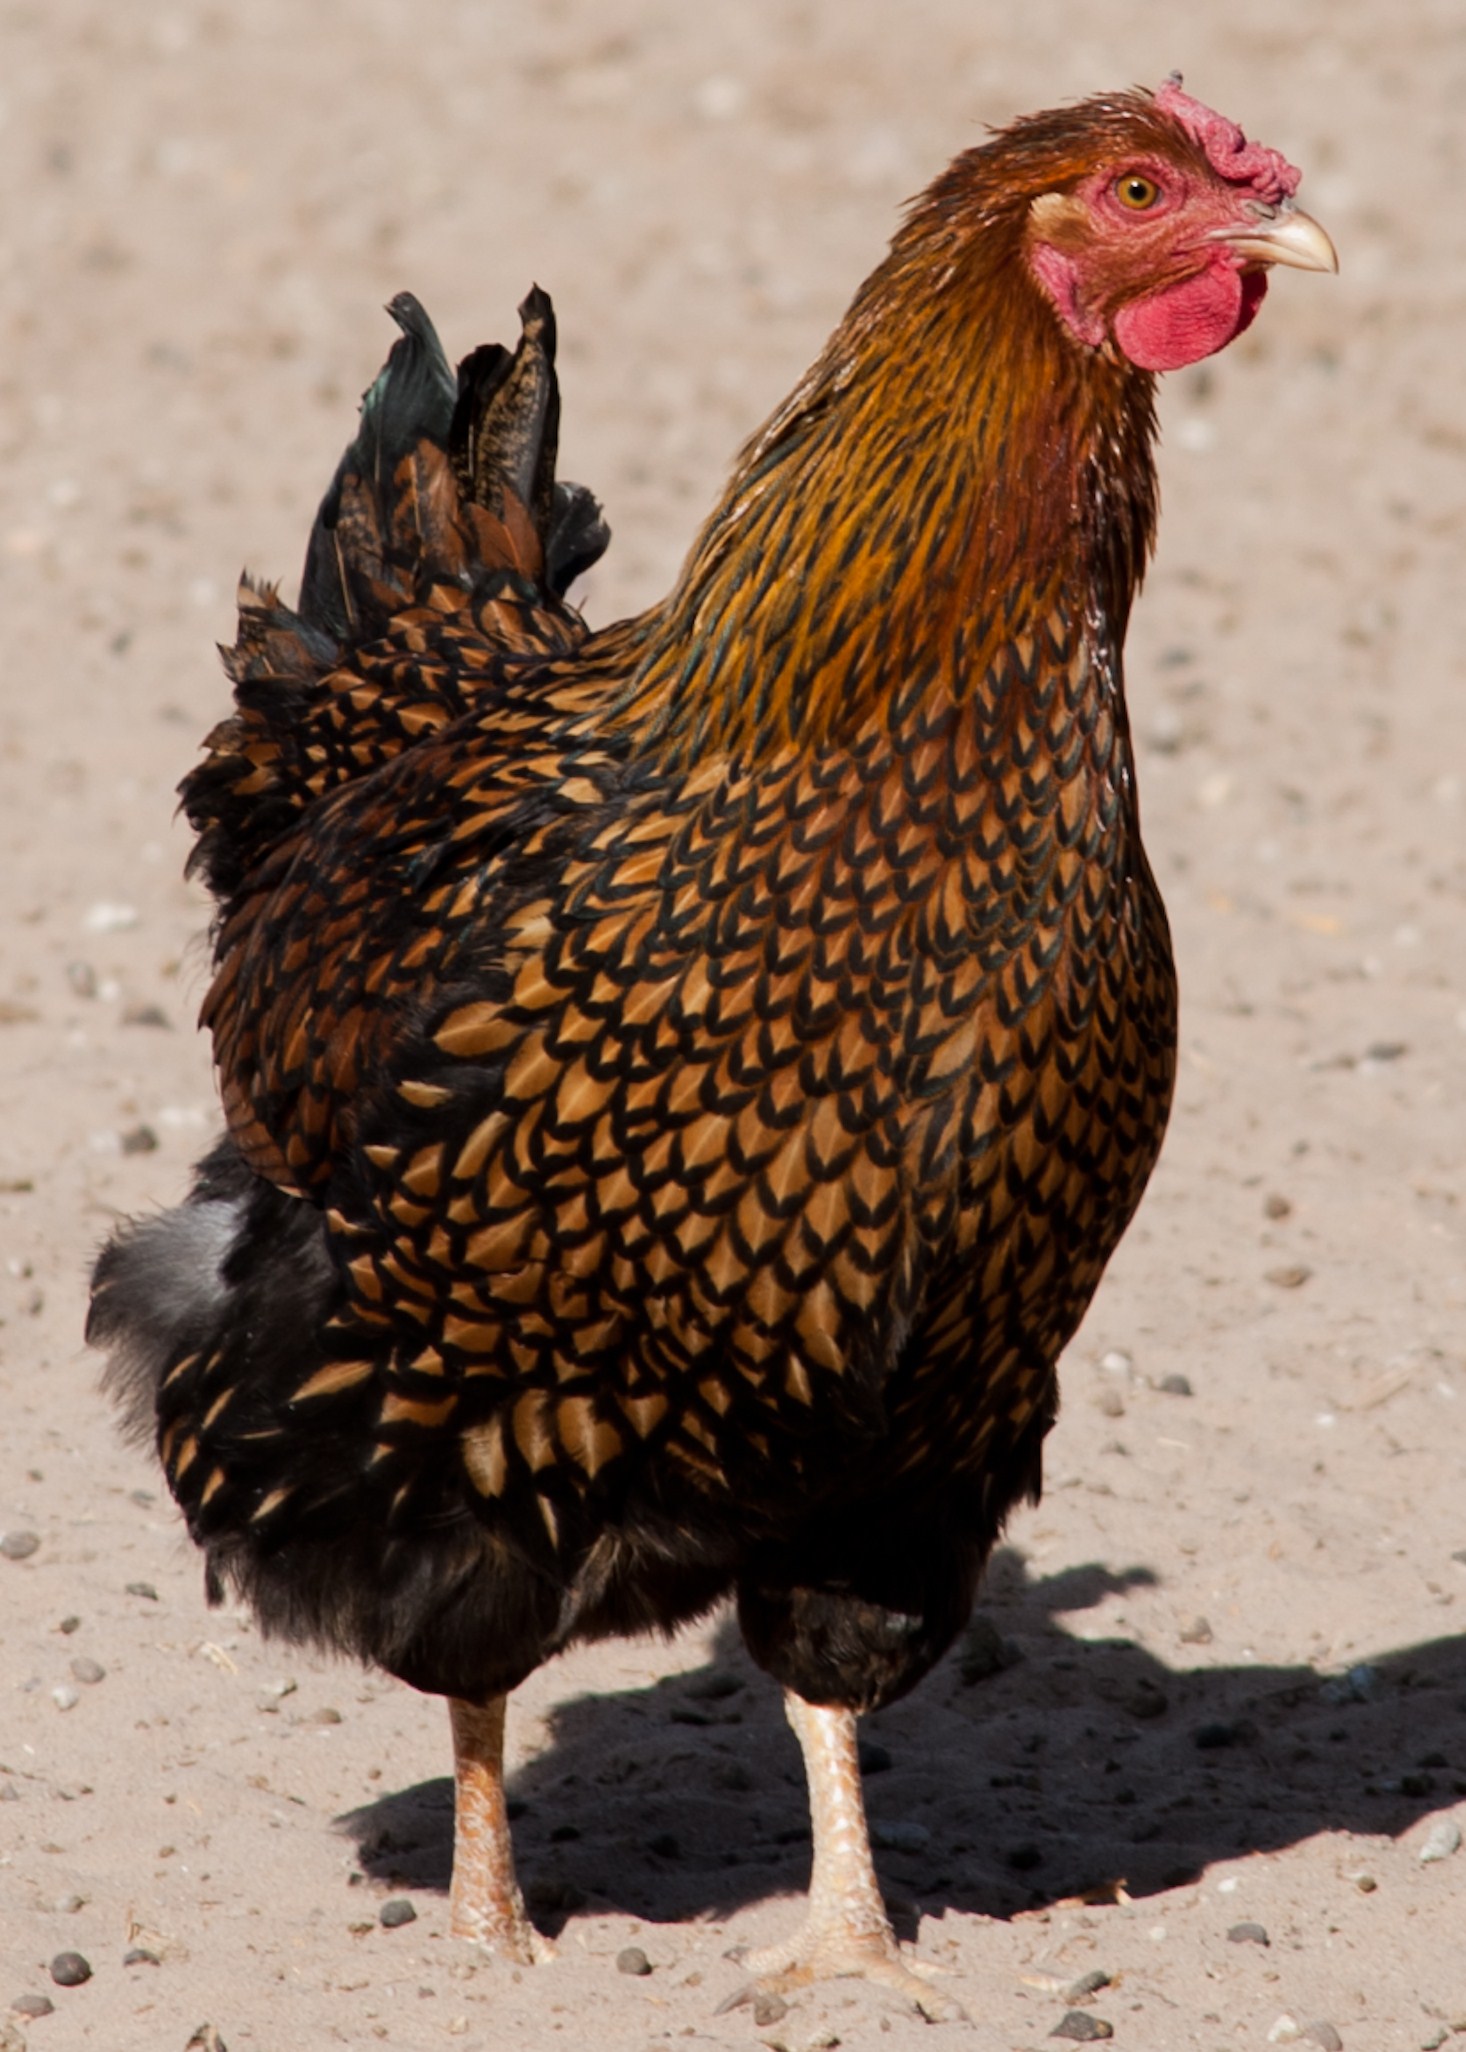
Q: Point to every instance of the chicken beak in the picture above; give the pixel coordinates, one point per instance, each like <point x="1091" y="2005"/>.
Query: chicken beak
<point x="1287" y="237"/>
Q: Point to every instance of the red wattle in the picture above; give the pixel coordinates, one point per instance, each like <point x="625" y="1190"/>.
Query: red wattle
<point x="1185" y="322"/>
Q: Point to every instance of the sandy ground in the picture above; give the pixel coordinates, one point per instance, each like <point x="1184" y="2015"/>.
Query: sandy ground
<point x="1241" y="1697"/>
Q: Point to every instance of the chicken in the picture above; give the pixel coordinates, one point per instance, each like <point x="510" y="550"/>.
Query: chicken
<point x="684" y="1081"/>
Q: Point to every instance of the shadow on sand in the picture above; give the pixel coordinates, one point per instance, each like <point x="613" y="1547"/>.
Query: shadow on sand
<point x="1080" y="1764"/>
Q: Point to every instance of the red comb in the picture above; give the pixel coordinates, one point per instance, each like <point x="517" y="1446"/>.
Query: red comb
<point x="1228" y="151"/>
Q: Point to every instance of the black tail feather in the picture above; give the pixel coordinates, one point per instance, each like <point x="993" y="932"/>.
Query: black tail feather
<point x="447" y="488"/>
<point x="411" y="399"/>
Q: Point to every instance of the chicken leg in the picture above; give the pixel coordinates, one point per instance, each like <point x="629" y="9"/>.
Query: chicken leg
<point x="846" y="1930"/>
<point x="485" y="1903"/>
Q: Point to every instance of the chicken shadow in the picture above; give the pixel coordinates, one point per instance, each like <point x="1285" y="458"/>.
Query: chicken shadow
<point x="1032" y="1766"/>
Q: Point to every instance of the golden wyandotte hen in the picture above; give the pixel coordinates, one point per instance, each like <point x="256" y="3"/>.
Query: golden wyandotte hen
<point x="685" y="1080"/>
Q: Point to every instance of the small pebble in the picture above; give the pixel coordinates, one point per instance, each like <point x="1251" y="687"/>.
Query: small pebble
<point x="1386" y="1050"/>
<point x="206" y="2039"/>
<point x="64" y="1696"/>
<point x="1082" y="2028"/>
<point x="900" y="1834"/>
<point x="88" y="1671"/>
<point x="1365" y="1883"/>
<point x="145" y="1015"/>
<point x="1249" y="1934"/>
<point x="143" y="1589"/>
<point x="1146" y="1700"/>
<point x="1277" y="1206"/>
<point x="1175" y="1385"/>
<point x="19" y="1545"/>
<point x="1285" y="2031"/>
<point x="69" y="1625"/>
<point x="1212" y="1738"/>
<point x="1117" y="1361"/>
<point x="69" y="1970"/>
<point x="139" y="1139"/>
<point x="398" y="1911"/>
<point x="138" y="1955"/>
<point x="715" y="1687"/>
<point x="1357" y="1686"/>
<point x="769" y="2008"/>
<point x="68" y="1905"/>
<point x="632" y="1960"/>
<point x="1290" y="1278"/>
<point x="985" y="1652"/>
<point x="1443" y="1839"/>
<point x="1323" y="2033"/>
<point x="1109" y="1402"/>
<point x="110" y="918"/>
<point x="1196" y="1632"/>
<point x="1087" y="1984"/>
<point x="33" y="2005"/>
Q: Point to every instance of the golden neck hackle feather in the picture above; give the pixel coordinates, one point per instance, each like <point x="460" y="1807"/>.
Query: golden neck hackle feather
<point x="950" y="481"/>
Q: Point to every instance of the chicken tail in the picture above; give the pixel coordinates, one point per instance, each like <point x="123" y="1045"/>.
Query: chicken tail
<point x="444" y="544"/>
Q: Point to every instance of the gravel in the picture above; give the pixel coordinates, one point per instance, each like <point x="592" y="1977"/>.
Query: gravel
<point x="1443" y="1839"/>
<point x="632" y="1960"/>
<point x="396" y="1912"/>
<point x="1214" y="1738"/>
<point x="69" y="1970"/>
<point x="900" y="1834"/>
<point x="1082" y="2028"/>
<point x="19" y="1545"/>
<point x="1249" y="1934"/>
<point x="1087" y="1984"/>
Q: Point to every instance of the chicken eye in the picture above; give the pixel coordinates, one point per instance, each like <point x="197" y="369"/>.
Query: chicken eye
<point x="1136" y="191"/>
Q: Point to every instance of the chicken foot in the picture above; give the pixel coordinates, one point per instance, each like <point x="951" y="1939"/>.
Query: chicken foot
<point x="846" y="1930"/>
<point x="484" y="1902"/>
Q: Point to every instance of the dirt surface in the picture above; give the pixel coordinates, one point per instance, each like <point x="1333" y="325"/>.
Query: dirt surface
<point x="1241" y="1696"/>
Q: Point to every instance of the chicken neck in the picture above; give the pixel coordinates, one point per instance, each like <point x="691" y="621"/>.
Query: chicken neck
<point x="954" y="480"/>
